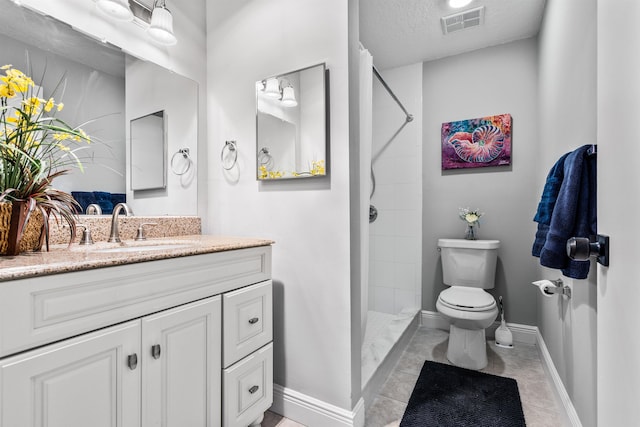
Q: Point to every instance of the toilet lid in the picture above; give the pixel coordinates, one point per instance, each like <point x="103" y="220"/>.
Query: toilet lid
<point x="469" y="299"/>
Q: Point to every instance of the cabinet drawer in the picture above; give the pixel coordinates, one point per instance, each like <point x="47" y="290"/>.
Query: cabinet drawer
<point x="248" y="388"/>
<point x="247" y="320"/>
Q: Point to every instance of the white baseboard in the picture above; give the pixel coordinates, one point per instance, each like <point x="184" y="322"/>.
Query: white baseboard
<point x="313" y="412"/>
<point x="571" y="416"/>
<point x="524" y="334"/>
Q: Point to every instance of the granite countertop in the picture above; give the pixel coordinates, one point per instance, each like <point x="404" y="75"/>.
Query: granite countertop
<point x="63" y="259"/>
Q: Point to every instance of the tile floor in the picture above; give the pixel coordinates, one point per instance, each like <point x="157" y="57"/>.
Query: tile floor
<point x="521" y="363"/>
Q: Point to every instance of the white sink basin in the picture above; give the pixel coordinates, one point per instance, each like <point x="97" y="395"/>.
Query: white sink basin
<point x="142" y="248"/>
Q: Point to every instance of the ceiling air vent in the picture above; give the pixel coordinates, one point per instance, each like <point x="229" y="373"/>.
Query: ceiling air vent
<point x="460" y="21"/>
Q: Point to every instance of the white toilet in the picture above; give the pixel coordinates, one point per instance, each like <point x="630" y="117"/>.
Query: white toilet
<point x="468" y="267"/>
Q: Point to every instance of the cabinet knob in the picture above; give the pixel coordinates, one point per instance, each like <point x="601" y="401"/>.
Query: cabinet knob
<point x="253" y="320"/>
<point x="155" y="351"/>
<point x="253" y="389"/>
<point x="132" y="361"/>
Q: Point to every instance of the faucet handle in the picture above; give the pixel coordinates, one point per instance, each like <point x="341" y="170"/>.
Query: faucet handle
<point x="86" y="235"/>
<point x="141" y="235"/>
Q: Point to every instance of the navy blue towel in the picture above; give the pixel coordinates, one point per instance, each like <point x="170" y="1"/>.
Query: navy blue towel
<point x="574" y="214"/>
<point x="550" y="192"/>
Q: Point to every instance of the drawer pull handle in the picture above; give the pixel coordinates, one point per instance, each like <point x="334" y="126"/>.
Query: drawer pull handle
<point x="253" y="320"/>
<point x="253" y="389"/>
<point x="155" y="351"/>
<point x="132" y="361"/>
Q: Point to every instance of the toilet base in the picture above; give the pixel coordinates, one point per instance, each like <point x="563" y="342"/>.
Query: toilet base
<point x="467" y="348"/>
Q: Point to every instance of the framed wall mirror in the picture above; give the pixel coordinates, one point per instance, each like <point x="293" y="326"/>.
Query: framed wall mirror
<point x="148" y="152"/>
<point x="106" y="88"/>
<point x="291" y="125"/>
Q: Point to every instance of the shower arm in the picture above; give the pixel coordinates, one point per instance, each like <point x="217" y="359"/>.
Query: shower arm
<point x="393" y="95"/>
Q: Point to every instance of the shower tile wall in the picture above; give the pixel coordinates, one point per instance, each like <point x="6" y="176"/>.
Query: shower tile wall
<point x="395" y="237"/>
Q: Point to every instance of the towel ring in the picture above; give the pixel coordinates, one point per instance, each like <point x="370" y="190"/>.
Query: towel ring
<point x="233" y="149"/>
<point x="185" y="154"/>
<point x="265" y="158"/>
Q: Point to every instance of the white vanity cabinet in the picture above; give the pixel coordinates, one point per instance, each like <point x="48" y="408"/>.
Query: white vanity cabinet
<point x="79" y="382"/>
<point x="138" y="345"/>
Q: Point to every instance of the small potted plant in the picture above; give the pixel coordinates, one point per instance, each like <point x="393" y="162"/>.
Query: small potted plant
<point x="35" y="148"/>
<point x="472" y="219"/>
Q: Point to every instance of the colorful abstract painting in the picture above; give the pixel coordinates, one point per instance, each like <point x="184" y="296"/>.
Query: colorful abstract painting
<point x="477" y="143"/>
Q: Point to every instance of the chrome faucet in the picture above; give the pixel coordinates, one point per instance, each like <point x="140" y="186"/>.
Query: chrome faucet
<point x="94" y="209"/>
<point x="115" y="232"/>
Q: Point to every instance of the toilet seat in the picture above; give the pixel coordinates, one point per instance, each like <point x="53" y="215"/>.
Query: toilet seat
<point x="467" y="299"/>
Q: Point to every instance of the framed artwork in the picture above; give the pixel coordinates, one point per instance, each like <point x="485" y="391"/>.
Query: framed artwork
<point x="477" y="143"/>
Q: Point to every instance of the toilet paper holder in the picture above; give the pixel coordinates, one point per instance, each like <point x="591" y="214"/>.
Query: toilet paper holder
<point x="557" y="288"/>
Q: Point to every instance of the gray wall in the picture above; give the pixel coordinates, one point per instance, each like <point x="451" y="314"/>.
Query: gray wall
<point x="567" y="68"/>
<point x="496" y="80"/>
<point x="309" y="219"/>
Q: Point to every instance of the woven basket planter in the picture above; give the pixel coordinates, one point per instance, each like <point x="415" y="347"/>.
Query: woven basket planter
<point x="31" y="238"/>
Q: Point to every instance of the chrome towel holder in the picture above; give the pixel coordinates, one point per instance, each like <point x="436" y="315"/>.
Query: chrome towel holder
<point x="232" y="148"/>
<point x="185" y="154"/>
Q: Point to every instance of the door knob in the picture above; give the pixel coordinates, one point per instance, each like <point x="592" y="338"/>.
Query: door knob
<point x="582" y="248"/>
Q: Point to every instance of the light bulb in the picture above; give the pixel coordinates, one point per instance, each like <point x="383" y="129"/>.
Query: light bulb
<point x="289" y="97"/>
<point x="457" y="4"/>
<point x="116" y="9"/>
<point x="161" y="27"/>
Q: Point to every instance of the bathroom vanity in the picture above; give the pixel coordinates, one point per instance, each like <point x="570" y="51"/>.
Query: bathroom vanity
<point x="180" y="336"/>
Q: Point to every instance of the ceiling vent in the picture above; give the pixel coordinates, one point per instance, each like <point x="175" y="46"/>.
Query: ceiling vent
<point x="460" y="21"/>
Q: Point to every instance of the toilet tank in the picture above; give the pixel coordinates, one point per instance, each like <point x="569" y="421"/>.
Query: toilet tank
<point x="470" y="263"/>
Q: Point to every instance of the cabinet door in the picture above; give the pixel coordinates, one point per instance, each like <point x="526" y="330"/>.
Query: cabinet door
<point x="181" y="372"/>
<point x="84" y="381"/>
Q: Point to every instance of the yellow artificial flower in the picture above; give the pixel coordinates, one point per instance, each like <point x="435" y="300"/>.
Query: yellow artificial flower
<point x="49" y="105"/>
<point x="6" y="91"/>
<point x="60" y="106"/>
<point x="85" y="136"/>
<point x="32" y="105"/>
<point x="61" y="136"/>
<point x="17" y="80"/>
<point x="6" y="67"/>
<point x="63" y="147"/>
<point x="317" y="168"/>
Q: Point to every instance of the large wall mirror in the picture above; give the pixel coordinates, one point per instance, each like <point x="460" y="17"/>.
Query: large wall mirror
<point x="291" y="125"/>
<point x="105" y="90"/>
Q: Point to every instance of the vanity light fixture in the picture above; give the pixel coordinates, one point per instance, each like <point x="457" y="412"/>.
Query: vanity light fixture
<point x="161" y="27"/>
<point x="272" y="88"/>
<point x="457" y="4"/>
<point x="289" y="97"/>
<point x="116" y="9"/>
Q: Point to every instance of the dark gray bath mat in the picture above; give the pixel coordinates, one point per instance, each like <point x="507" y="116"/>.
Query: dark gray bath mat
<point x="448" y="396"/>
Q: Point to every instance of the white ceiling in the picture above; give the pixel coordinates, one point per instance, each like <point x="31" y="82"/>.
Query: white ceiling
<point x="402" y="32"/>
